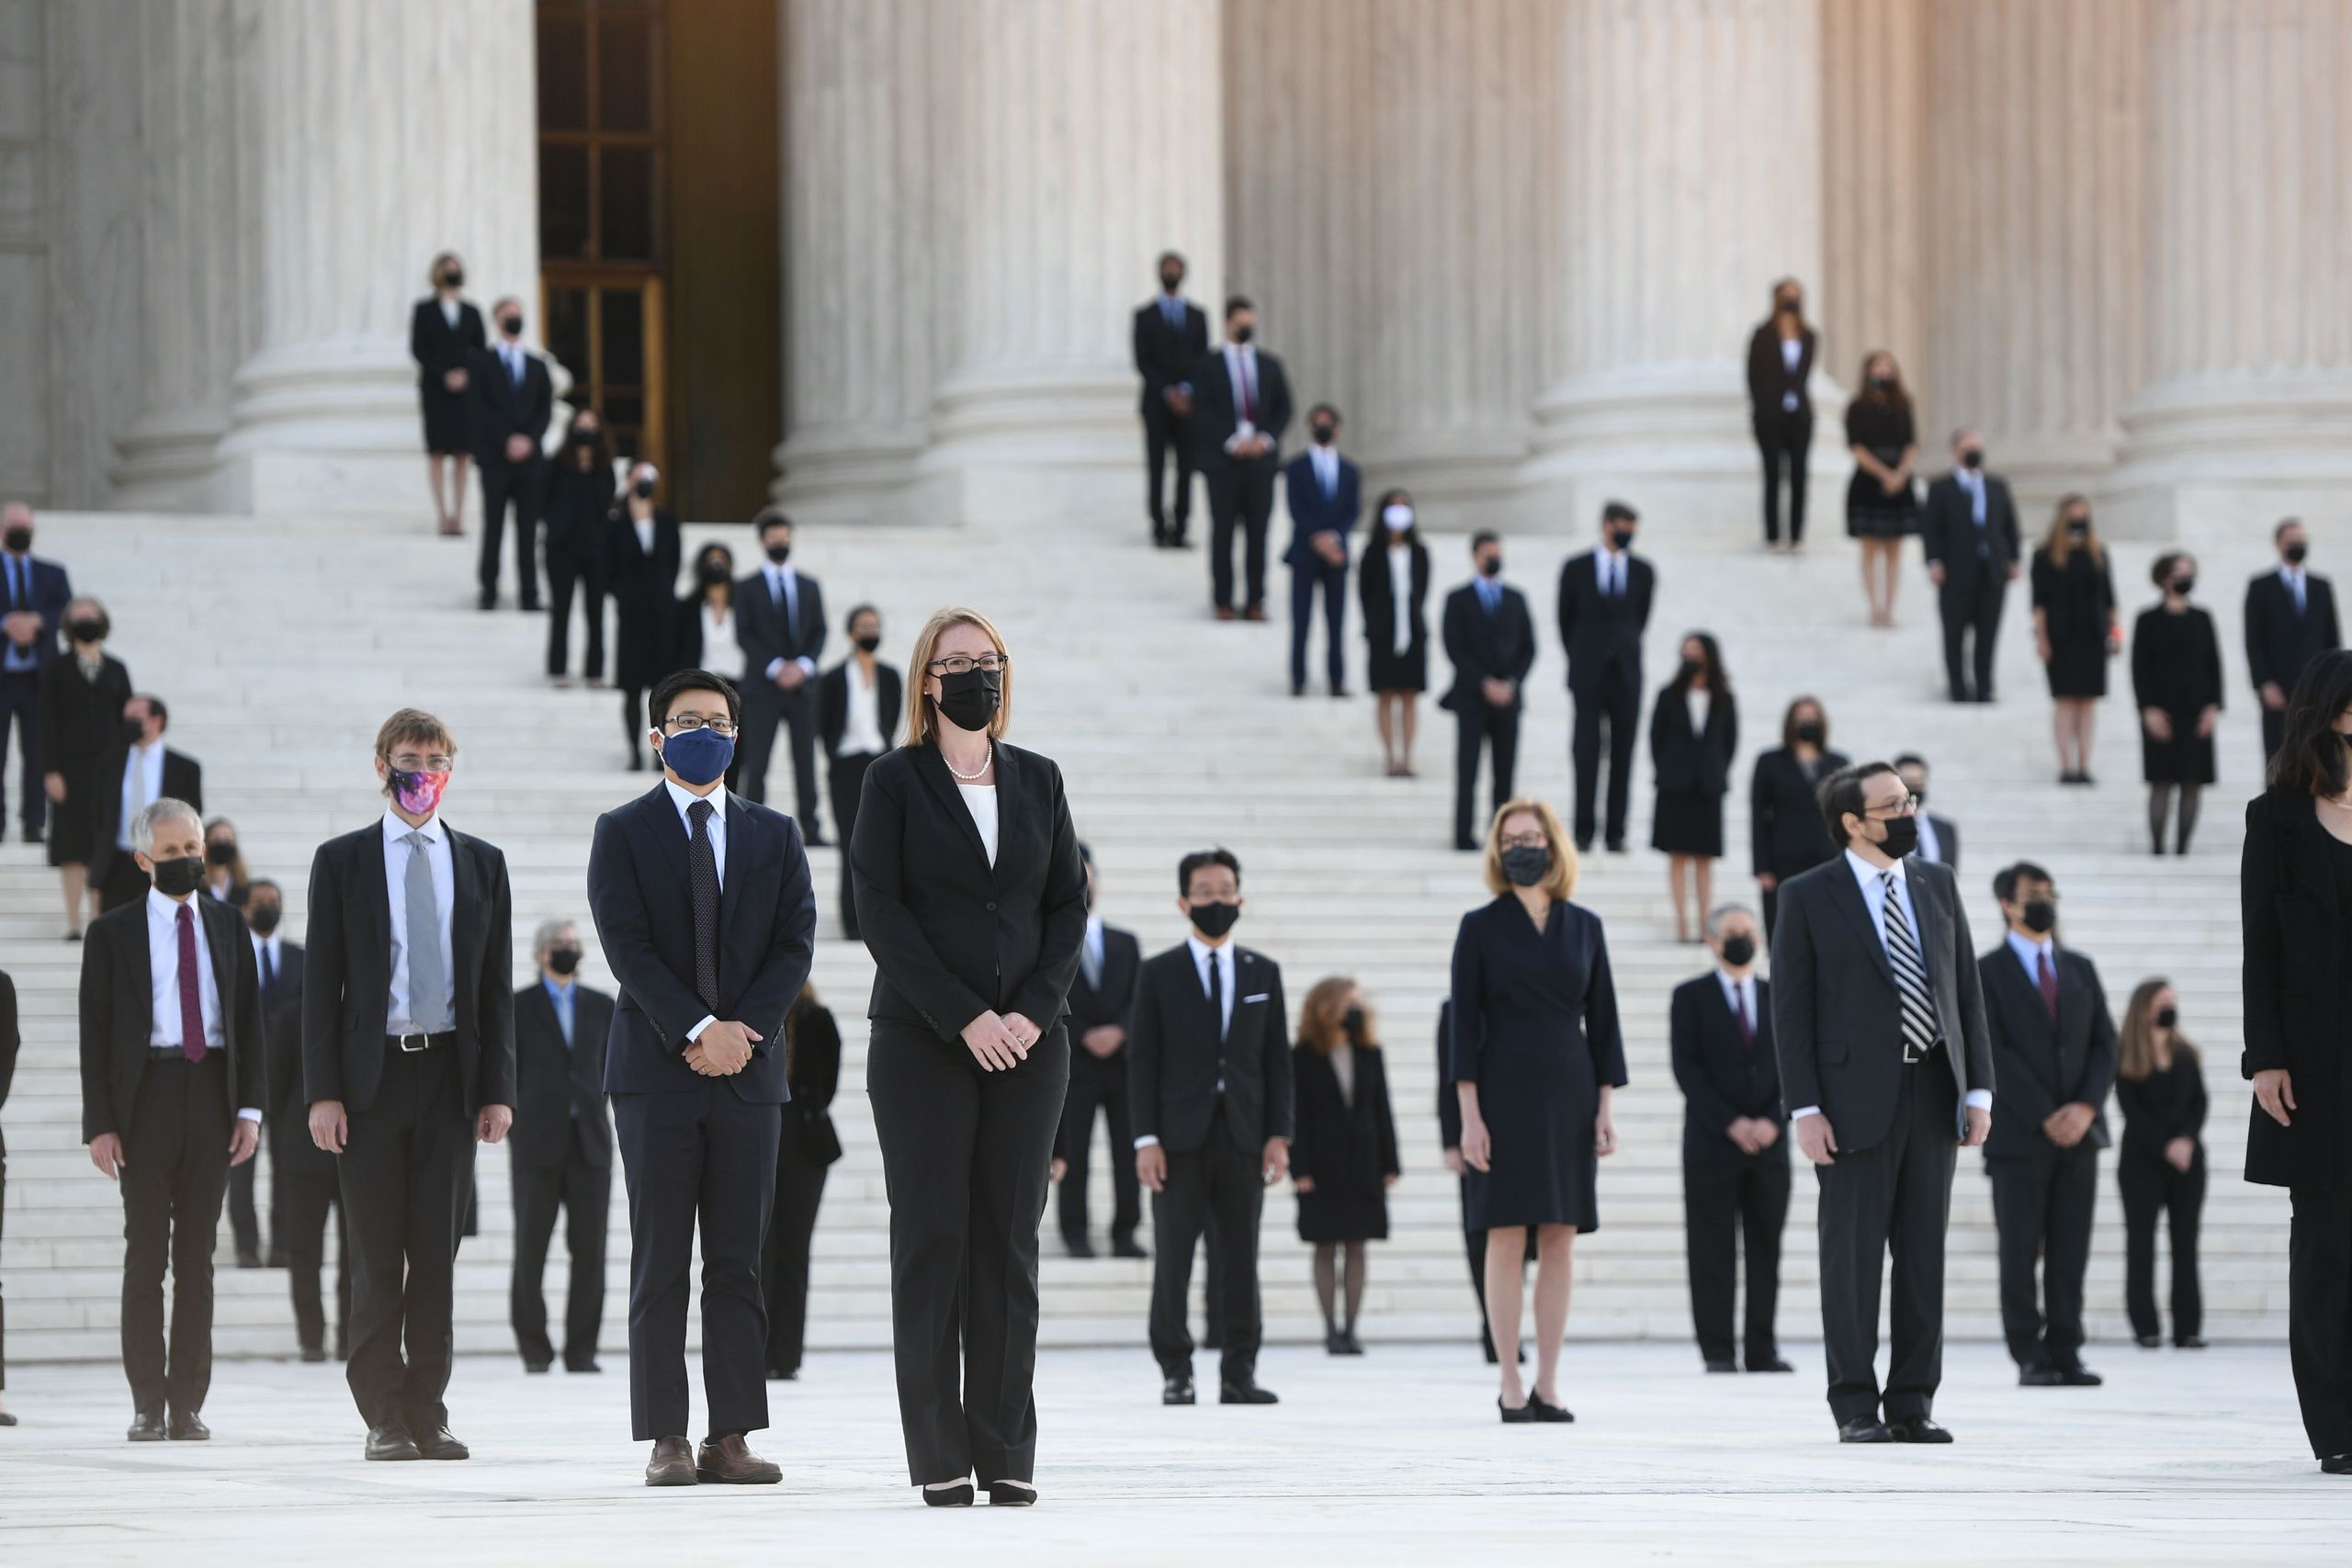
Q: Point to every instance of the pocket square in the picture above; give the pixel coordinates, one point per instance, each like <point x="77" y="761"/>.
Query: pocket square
<point x="1259" y="997"/>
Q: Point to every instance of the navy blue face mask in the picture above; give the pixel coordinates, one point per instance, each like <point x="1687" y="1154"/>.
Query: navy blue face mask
<point x="698" y="756"/>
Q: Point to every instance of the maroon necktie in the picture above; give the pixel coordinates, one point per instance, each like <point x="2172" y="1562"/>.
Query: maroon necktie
<point x="1249" y="387"/>
<point x="2048" y="980"/>
<point x="191" y="1007"/>
<point x="1747" y="1025"/>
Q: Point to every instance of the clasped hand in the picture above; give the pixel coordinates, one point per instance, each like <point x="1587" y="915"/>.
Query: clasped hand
<point x="722" y="1050"/>
<point x="1000" y="1041"/>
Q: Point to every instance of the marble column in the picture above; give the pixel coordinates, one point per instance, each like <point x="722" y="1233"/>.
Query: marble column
<point x="1692" y="135"/>
<point x="2245" y="411"/>
<point x="1877" y="184"/>
<point x="380" y="135"/>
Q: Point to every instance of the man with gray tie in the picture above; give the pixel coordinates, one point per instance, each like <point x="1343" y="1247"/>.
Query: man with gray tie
<point x="1970" y="539"/>
<point x="408" y="1057"/>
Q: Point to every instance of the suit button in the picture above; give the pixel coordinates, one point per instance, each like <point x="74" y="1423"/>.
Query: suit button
<point x="991" y="905"/>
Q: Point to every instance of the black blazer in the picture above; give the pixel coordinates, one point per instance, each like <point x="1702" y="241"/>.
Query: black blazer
<point x="503" y="409"/>
<point x="952" y="936"/>
<point x="1174" y="1057"/>
<point x="640" y="896"/>
<point x="575" y="506"/>
<point x="1948" y="535"/>
<point x="1684" y="760"/>
<point x="2279" y="642"/>
<point x="1165" y="355"/>
<point x="1947" y="843"/>
<point x="1377" y="594"/>
<point x="1786" y="834"/>
<point x="1215" y="415"/>
<point x="1769" y="377"/>
<point x="2297" y="938"/>
<point x="1835" y="1017"/>
<point x="832" y="704"/>
<point x="1722" y="1078"/>
<point x="555" y="1083"/>
<point x="47" y="591"/>
<point x="183" y="780"/>
<point x="118" y="1011"/>
<point x="765" y="630"/>
<point x="1502" y="645"/>
<point x="1603" y="635"/>
<point x="437" y="347"/>
<point x="645" y="595"/>
<point x="813" y="1071"/>
<point x="1311" y="514"/>
<point x="1114" y="1001"/>
<point x="11" y="1037"/>
<point x="1348" y="1146"/>
<point x="343" y="1005"/>
<point x="1449" y="1094"/>
<point x="2043" y="1064"/>
<point x="2163" y="1106"/>
<point x="286" y="1113"/>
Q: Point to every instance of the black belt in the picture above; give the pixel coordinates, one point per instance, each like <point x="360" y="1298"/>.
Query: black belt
<point x="415" y="1040"/>
<point x="177" y="1054"/>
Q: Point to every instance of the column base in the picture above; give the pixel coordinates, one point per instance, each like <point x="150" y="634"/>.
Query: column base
<point x="850" y="476"/>
<point x="163" y="461"/>
<point x="331" y="426"/>
<point x="1029" y="446"/>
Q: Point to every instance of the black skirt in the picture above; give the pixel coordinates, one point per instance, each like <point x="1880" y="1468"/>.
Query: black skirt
<point x="1688" y="822"/>
<point x="448" y="422"/>
<point x="2185" y="759"/>
<point x="1385" y="670"/>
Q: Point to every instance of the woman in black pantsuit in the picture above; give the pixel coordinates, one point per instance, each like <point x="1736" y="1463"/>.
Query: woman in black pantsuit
<point x="579" y="500"/>
<point x="1694" y="730"/>
<point x="2160" y="1083"/>
<point x="78" y="718"/>
<point x="445" y="332"/>
<point x="1343" y="1157"/>
<point x="1536" y="1055"/>
<point x="1780" y="408"/>
<point x="2073" y="629"/>
<point x="1393" y="585"/>
<point x="813" y="1070"/>
<point x="1786" y="832"/>
<point x="2177" y="682"/>
<point x="972" y="898"/>
<point x="641" y="554"/>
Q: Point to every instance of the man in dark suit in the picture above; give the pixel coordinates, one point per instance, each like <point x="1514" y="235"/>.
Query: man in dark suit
<point x="1490" y="637"/>
<point x="11" y="1038"/>
<point x="1240" y="407"/>
<point x="704" y="904"/>
<point x="1605" y="596"/>
<point x="1886" y="1063"/>
<point x="2054" y="1053"/>
<point x="1735" y="1157"/>
<point x="1323" y="489"/>
<point x="513" y="399"/>
<point x="1209" y="1088"/>
<point x="171" y="1097"/>
<point x="1939" y="836"/>
<point x="858" y="704"/>
<point x="780" y="623"/>
<point x="302" y="1186"/>
<point x="2289" y="620"/>
<point x="33" y="596"/>
<point x="563" y="1149"/>
<point x="408" y="1058"/>
<point x="1101" y="1000"/>
<point x="1970" y="539"/>
<point x="1172" y="337"/>
<point x="1780" y="402"/>
<point x="151" y="771"/>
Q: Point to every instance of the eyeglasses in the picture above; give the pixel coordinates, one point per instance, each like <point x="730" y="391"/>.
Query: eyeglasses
<point x="686" y="721"/>
<point x="1526" y="841"/>
<point x="965" y="663"/>
<point x="1903" y="808"/>
<point x="409" y="762"/>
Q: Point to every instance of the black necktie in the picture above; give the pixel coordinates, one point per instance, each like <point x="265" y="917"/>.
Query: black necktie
<point x="1216" y="994"/>
<point x="702" y="860"/>
<point x="268" y="975"/>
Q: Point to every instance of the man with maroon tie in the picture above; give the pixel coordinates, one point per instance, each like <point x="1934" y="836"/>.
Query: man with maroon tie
<point x="1240" y="407"/>
<point x="171" y="1042"/>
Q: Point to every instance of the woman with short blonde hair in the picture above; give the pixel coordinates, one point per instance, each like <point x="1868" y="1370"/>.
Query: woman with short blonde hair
<point x="445" y="333"/>
<point x="1343" y="1156"/>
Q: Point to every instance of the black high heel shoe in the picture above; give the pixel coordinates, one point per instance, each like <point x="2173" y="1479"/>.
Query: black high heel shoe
<point x="1011" y="1494"/>
<point x="1518" y="1417"/>
<point x="956" y="1497"/>
<point x="1538" y="1409"/>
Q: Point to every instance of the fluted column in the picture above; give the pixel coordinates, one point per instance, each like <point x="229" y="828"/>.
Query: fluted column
<point x="1878" y="184"/>
<point x="2246" y="407"/>
<point x="380" y="135"/>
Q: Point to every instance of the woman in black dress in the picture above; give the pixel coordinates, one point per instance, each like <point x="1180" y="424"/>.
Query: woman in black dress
<point x="2160" y="1084"/>
<point x="1880" y="504"/>
<point x="1786" y="833"/>
<point x="1343" y="1157"/>
<point x="2295" y="890"/>
<point x="1694" y="730"/>
<point x="642" y="551"/>
<point x="2073" y="629"/>
<point x="445" y="332"/>
<point x="2177" y="682"/>
<point x="79" y="725"/>
<point x="1393" y="582"/>
<point x="579" y="499"/>
<point x="1536" y="1055"/>
<point x="813" y="1070"/>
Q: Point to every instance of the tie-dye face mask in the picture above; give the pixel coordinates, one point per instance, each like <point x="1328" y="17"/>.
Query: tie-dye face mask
<point x="418" y="793"/>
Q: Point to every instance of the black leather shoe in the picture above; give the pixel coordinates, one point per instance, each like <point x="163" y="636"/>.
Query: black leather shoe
<point x="2337" y="1464"/>
<point x="1245" y="1393"/>
<point x="248" y="1259"/>
<point x="1518" y="1417"/>
<point x="537" y="1364"/>
<point x="1348" y="1343"/>
<point x="188" y="1426"/>
<point x="2040" y="1377"/>
<point x="314" y="1352"/>
<point x="1724" y="1364"/>
<point x="588" y="1364"/>
<point x="1127" y="1247"/>
<point x="392" y="1441"/>
<point x="147" y="1426"/>
<point x="1918" y="1429"/>
<point x="2187" y="1342"/>
<point x="2079" y="1377"/>
<point x="1541" y="1409"/>
<point x="956" y="1497"/>
<point x="1768" y="1364"/>
<point x="1865" y="1429"/>
<point x="440" y="1444"/>
<point x="1078" y="1247"/>
<point x="2150" y="1341"/>
<point x="1177" y="1390"/>
<point x="1011" y="1494"/>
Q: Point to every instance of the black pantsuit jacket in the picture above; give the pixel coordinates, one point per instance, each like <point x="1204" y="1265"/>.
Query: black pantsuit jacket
<point x="1726" y="1192"/>
<point x="645" y="595"/>
<point x="1101" y="1082"/>
<point x="1786" y="834"/>
<point x="563" y="1144"/>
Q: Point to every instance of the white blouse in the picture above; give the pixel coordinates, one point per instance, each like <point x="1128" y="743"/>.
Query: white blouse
<point x="1343" y="1067"/>
<point x="1701" y="703"/>
<point x="1401" y="593"/>
<point x="862" y="718"/>
<point x="980" y="801"/>
<point x="721" y="654"/>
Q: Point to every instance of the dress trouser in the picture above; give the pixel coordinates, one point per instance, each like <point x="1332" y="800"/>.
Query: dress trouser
<point x="1241" y="495"/>
<point x="1783" y="440"/>
<point x="1728" y="1197"/>
<point x="2042" y="1204"/>
<point x="4" y="1304"/>
<point x="567" y="571"/>
<point x="1972" y="608"/>
<point x="1223" y="1177"/>
<point x="2319" y="1315"/>
<point x="406" y="1168"/>
<point x="2274" y="731"/>
<point x="845" y="779"/>
<point x="521" y="483"/>
<point x="1893" y="1196"/>
<point x="244" y="1219"/>
<point x="583" y="1190"/>
<point x="1166" y="433"/>
<point x="765" y="706"/>
<point x="176" y="1168"/>
<point x="1478" y="722"/>
<point x="19" y="711"/>
<point x="967" y="1157"/>
<point x="1617" y="702"/>
<point x="1333" y="581"/>
<point x="2151" y="1187"/>
<point x="303" y="1187"/>
<point x="1096" y="1081"/>
<point x="783" y="1262"/>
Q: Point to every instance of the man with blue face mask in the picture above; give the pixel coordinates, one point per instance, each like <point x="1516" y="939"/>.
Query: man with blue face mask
<point x="707" y="916"/>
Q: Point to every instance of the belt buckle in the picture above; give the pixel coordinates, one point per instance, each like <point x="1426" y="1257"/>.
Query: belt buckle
<point x="423" y="1040"/>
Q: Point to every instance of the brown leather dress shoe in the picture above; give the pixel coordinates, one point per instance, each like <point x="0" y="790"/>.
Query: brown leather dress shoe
<point x="730" y="1462"/>
<point x="674" y="1463"/>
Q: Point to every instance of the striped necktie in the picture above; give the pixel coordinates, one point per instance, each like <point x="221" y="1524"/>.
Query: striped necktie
<point x="1910" y="976"/>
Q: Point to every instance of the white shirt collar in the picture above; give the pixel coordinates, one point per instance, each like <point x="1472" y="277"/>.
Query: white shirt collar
<point x="397" y="831"/>
<point x="1093" y="929"/>
<point x="683" y="798"/>
<point x="161" y="906"/>
<point x="1202" y="950"/>
<point x="2290" y="574"/>
<point x="2030" y="949"/>
<point x="1732" y="983"/>
<point x="1866" y="874"/>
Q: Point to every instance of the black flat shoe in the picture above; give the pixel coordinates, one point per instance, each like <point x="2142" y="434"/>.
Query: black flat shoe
<point x="1011" y="1494"/>
<point x="1078" y="1247"/>
<point x="1245" y="1393"/>
<point x="1918" y="1429"/>
<point x="1865" y="1429"/>
<point x="2040" y="1377"/>
<point x="1348" y="1343"/>
<point x="391" y="1442"/>
<point x="2079" y="1377"/>
<point x="1724" y="1364"/>
<point x="535" y="1365"/>
<point x="1333" y="1344"/>
<point x="314" y="1353"/>
<point x="1768" y="1364"/>
<point x="2337" y="1464"/>
<point x="2185" y="1342"/>
<point x="6" y="1419"/>
<point x="1518" y="1417"/>
<point x="1540" y="1409"/>
<point x="1127" y="1247"/>
<point x="956" y="1497"/>
<point x="1177" y="1390"/>
<point x="2149" y="1341"/>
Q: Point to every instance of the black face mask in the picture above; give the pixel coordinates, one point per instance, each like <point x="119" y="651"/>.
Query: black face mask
<point x="1691" y="671"/>
<point x="2294" y="553"/>
<point x="1881" y="383"/>
<point x="1169" y="282"/>
<point x="511" y="325"/>
<point x="2077" y="530"/>
<point x="1789" y="306"/>
<point x="870" y="642"/>
<point x="1971" y="459"/>
<point x="19" y="540"/>
<point x="1325" y="433"/>
<point x="222" y="853"/>
<point x="179" y="877"/>
<point x="563" y="960"/>
<point x="88" y="631"/>
<point x="1622" y="538"/>
<point x="2167" y="1018"/>
<point x="1527" y="865"/>
<point x="1810" y="733"/>
<point x="1739" y="950"/>
<point x="713" y="572"/>
<point x="779" y="553"/>
<point x="1902" y="835"/>
<point x="583" y="436"/>
<point x="454" y="278"/>
<point x="263" y="918"/>
<point x="968" y="701"/>
<point x="642" y="490"/>
<point x="1491" y="567"/>
<point x="1242" y="334"/>
<point x="2183" y="585"/>
<point x="1213" y="919"/>
<point x="133" y="732"/>
<point x="1352" y="1021"/>
<point x="2041" y="916"/>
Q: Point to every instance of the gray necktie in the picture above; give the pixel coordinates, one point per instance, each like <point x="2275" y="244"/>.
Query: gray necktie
<point x="1090" y="962"/>
<point x="427" y="986"/>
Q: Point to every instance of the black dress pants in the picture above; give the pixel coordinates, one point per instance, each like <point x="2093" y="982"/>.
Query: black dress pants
<point x="1098" y="1081"/>
<point x="521" y="484"/>
<point x="967" y="1157"/>
<point x="1617" y="703"/>
<point x="704" y="1158"/>
<point x="405" y="1170"/>
<point x="766" y="707"/>
<point x="1783" y="439"/>
<point x="1167" y="433"/>
<point x="1241" y="495"/>
<point x="1972" y="608"/>
<point x="176" y="1168"/>
<point x="783" y="1263"/>
<point x="1333" y="581"/>
<point x="1224" y="1179"/>
<point x="303" y="1188"/>
<point x="2042" y="1204"/>
<point x="2319" y="1315"/>
<point x="2152" y="1187"/>
<point x="244" y="1218"/>
<point x="566" y="573"/>
<point x="2274" y="732"/>
<point x="1895" y="1196"/>
<point x="1478" y="723"/>
<point x="583" y="1190"/>
<point x="1730" y="1198"/>
<point x="845" y="778"/>
<point x="20" y="711"/>
<point x="4" y="1226"/>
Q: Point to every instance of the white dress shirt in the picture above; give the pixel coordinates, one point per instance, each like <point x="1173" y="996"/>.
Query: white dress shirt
<point x="1792" y="350"/>
<point x="1930" y="847"/>
<point x="2292" y="576"/>
<point x="980" y="801"/>
<point x="1091" y="949"/>
<point x="1699" y="702"/>
<point x="1342" y="1058"/>
<point x="784" y="590"/>
<point x="2030" y="951"/>
<point x="445" y="897"/>
<point x="1972" y="481"/>
<point x="163" y="986"/>
<point x="721" y="654"/>
<point x="1326" y="466"/>
<point x="1240" y="367"/>
<point x="1611" y="570"/>
<point x="644" y="526"/>
<point x="142" y="785"/>
<point x="449" y="309"/>
<point x="1401" y="593"/>
<point x="1203" y="957"/>
<point x="862" y="716"/>
<point x="716" y="827"/>
<point x="1740" y="990"/>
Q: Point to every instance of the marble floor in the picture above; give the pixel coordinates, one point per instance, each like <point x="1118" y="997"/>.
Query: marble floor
<point x="1396" y="1458"/>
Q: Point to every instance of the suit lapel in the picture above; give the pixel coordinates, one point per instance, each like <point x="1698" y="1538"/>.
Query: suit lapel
<point x="374" y="921"/>
<point x="1847" y="893"/>
<point x="1011" y="792"/>
<point x="1932" y="932"/>
<point x="932" y="769"/>
<point x="740" y="854"/>
<point x="465" y="917"/>
<point x="217" y="933"/>
<point x="663" y="833"/>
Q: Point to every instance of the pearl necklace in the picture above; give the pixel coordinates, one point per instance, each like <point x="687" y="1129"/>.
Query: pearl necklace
<point x="967" y="778"/>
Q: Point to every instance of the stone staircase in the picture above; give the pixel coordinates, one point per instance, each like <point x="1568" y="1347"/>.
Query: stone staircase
<point x="280" y="647"/>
